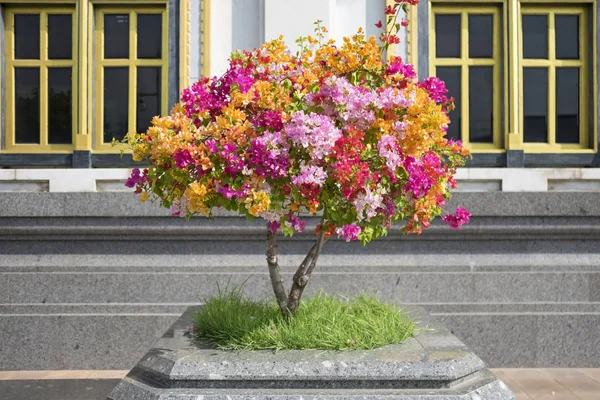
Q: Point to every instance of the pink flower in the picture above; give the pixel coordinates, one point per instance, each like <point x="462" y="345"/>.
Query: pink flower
<point x="310" y="175"/>
<point x="313" y="131"/>
<point x="368" y="203"/>
<point x="295" y="223"/>
<point x="349" y="232"/>
<point x="388" y="149"/>
<point x="179" y="208"/>
<point x="459" y="218"/>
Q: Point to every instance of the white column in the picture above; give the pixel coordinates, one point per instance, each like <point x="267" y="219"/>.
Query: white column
<point x="221" y="35"/>
<point x="195" y="32"/>
<point x="295" y="18"/>
<point x="349" y="16"/>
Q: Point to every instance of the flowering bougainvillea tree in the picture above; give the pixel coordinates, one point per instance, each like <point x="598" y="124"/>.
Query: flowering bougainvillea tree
<point x="335" y="130"/>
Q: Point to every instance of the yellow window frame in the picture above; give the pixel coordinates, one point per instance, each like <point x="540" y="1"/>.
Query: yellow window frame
<point x="464" y="62"/>
<point x="132" y="63"/>
<point x="43" y="64"/>
<point x="552" y="63"/>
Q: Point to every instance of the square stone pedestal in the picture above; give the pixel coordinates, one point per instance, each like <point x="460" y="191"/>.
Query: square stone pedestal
<point x="434" y="365"/>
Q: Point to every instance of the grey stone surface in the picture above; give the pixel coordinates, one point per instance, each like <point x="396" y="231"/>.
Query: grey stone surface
<point x="566" y="340"/>
<point x="193" y="287"/>
<point x="434" y="365"/>
<point x="77" y="341"/>
<point x="515" y="158"/>
<point x="82" y="159"/>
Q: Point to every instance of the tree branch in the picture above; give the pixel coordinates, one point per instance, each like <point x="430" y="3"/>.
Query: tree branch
<point x="275" y="272"/>
<point x="302" y="276"/>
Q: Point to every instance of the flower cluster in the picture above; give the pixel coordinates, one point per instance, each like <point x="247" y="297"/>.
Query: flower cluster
<point x="334" y="129"/>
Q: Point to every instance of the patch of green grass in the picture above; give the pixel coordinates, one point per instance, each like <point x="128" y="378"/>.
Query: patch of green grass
<point x="325" y="322"/>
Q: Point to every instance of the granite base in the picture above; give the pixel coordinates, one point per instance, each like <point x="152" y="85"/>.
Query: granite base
<point x="434" y="365"/>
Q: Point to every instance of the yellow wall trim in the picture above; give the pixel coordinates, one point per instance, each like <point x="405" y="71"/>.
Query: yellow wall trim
<point x="412" y="37"/>
<point x="184" y="44"/>
<point x="205" y="38"/>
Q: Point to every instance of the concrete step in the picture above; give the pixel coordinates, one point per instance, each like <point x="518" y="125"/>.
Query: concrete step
<point x="115" y="336"/>
<point x="580" y="259"/>
<point x="186" y="287"/>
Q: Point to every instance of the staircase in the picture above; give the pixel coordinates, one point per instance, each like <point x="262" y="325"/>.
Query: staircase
<point x="90" y="280"/>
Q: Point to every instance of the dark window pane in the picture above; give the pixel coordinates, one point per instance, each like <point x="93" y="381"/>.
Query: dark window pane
<point x="59" y="106"/>
<point x="27" y="36"/>
<point x="535" y="36"/>
<point x="447" y="36"/>
<point x="567" y="37"/>
<point x="27" y="105"/>
<point x="116" y="36"/>
<point x="116" y="102"/>
<point x="567" y="105"/>
<point x="60" y="37"/>
<point x="149" y="35"/>
<point x="451" y="76"/>
<point x="481" y="104"/>
<point x="481" y="38"/>
<point x="148" y="96"/>
<point x="535" y="105"/>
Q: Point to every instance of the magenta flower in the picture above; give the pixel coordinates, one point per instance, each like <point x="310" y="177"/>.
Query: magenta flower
<point x="349" y="232"/>
<point x="211" y="144"/>
<point x="270" y="119"/>
<point x="419" y="181"/>
<point x="436" y="88"/>
<point x="229" y="193"/>
<point x="398" y="67"/>
<point x="183" y="158"/>
<point x="268" y="155"/>
<point x="274" y="226"/>
<point x="460" y="217"/>
<point x="135" y="178"/>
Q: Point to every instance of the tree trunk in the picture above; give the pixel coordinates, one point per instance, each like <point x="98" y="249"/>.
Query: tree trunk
<point x="275" y="272"/>
<point x="302" y="276"/>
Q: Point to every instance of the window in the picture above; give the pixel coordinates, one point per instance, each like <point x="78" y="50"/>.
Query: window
<point x="554" y="77"/>
<point x="523" y="67"/>
<point x="75" y="76"/>
<point x="131" y="71"/>
<point x="41" y="74"/>
<point x="466" y="55"/>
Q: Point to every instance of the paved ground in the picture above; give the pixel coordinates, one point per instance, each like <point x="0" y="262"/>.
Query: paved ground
<point x="528" y="384"/>
<point x="82" y="389"/>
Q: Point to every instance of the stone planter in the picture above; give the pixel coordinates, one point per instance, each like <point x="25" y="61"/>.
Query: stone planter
<point x="433" y="366"/>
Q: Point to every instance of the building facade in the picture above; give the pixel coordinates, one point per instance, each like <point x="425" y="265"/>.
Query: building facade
<point x="90" y="277"/>
<point x="76" y="74"/>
